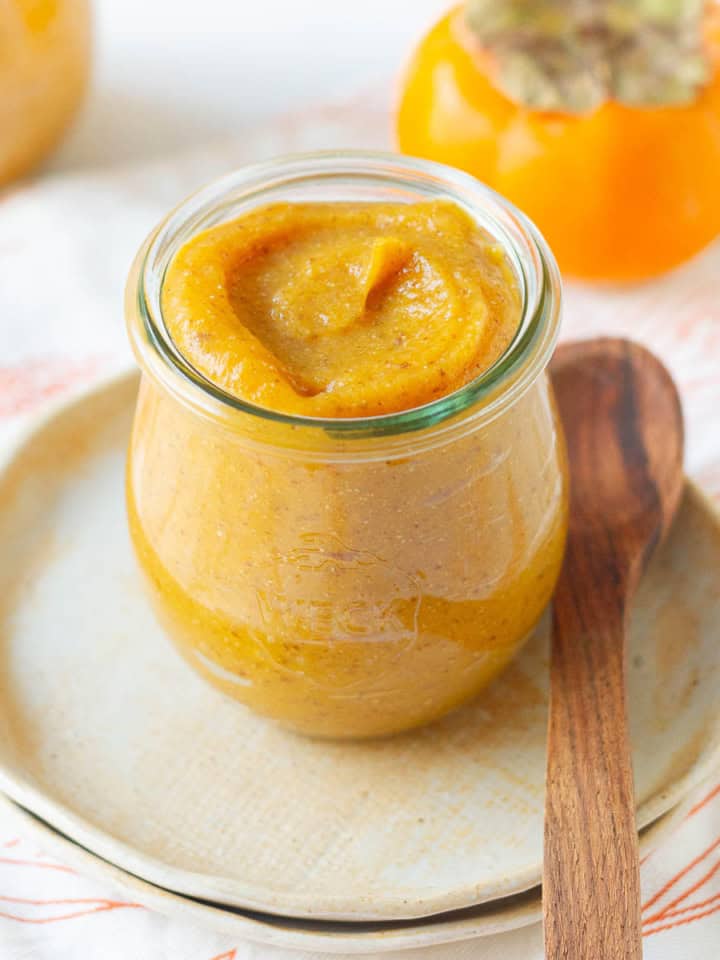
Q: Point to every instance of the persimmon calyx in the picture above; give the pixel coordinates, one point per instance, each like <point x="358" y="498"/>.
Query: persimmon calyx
<point x="573" y="55"/>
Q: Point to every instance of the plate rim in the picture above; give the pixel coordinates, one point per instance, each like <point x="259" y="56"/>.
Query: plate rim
<point x="497" y="917"/>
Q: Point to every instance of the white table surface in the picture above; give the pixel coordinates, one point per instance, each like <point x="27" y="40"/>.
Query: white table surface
<point x="172" y="73"/>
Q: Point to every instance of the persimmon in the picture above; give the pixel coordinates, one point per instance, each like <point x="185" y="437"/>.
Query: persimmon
<point x="622" y="191"/>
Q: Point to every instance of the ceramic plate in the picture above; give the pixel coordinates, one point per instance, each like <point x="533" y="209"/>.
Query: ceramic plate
<point x="499" y="916"/>
<point x="107" y="735"/>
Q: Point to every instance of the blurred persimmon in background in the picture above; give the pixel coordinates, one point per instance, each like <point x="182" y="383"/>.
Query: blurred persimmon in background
<point x="44" y="66"/>
<point x="616" y="160"/>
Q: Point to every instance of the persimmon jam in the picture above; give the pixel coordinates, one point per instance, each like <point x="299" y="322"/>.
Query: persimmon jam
<point x="342" y="309"/>
<point x="347" y="578"/>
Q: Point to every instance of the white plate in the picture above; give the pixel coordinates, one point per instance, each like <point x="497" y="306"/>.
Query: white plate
<point x="321" y="936"/>
<point x="107" y="735"/>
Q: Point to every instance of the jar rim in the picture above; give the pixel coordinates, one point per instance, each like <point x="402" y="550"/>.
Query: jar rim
<point x="485" y="396"/>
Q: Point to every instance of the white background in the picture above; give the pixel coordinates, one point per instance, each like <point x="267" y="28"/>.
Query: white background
<point x="174" y="73"/>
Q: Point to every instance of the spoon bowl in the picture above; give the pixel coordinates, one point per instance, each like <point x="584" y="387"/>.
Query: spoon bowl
<point x="623" y="424"/>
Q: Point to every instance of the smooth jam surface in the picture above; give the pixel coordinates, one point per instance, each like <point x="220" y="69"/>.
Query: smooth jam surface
<point x="342" y="309"/>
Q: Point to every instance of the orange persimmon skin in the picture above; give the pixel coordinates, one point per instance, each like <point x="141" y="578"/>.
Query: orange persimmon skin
<point x="620" y="194"/>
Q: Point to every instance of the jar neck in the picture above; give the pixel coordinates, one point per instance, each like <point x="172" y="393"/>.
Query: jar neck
<point x="349" y="176"/>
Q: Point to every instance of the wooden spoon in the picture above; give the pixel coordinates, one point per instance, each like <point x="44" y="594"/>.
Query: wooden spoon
<point x="624" y="430"/>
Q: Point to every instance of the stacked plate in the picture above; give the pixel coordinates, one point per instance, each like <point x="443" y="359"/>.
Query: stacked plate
<point x="136" y="771"/>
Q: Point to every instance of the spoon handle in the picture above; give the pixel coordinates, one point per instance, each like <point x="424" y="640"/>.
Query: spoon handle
<point x="591" y="882"/>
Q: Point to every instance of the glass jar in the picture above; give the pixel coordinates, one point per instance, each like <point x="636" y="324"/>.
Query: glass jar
<point x="348" y="577"/>
<point x="44" y="67"/>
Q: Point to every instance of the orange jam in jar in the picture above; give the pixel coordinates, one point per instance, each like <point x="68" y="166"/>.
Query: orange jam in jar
<point x="346" y="483"/>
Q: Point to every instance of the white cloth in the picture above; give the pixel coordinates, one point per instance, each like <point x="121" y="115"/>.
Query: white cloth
<point x="66" y="243"/>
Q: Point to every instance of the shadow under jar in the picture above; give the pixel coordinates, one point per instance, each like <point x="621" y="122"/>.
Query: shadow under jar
<point x="348" y="577"/>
